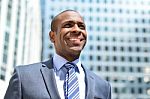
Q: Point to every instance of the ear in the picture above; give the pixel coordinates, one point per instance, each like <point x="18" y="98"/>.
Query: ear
<point x="52" y="36"/>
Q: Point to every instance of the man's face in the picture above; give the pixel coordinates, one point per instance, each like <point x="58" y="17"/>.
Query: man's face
<point x="70" y="37"/>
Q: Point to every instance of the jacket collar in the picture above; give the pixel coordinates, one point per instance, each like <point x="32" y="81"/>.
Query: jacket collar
<point x="49" y="79"/>
<point x="90" y="84"/>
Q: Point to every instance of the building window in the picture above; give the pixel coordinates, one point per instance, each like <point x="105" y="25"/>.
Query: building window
<point x="91" y="57"/>
<point x="6" y="37"/>
<point x="123" y="90"/>
<point x="51" y="17"/>
<point x="139" y="80"/>
<point x="106" y="48"/>
<point x="132" y="90"/>
<point x="82" y="0"/>
<point x="114" y="58"/>
<point x="107" y="78"/>
<point x="98" y="9"/>
<point x="138" y="59"/>
<point x="137" y="39"/>
<point x="91" y="68"/>
<point x="98" y="38"/>
<point x="106" y="39"/>
<point x="130" y="49"/>
<point x="115" y="79"/>
<point x="114" y="48"/>
<point x="107" y="68"/>
<point x="140" y="91"/>
<point x="98" y="58"/>
<point x="122" y="48"/>
<point x="16" y="43"/>
<point x="136" y="30"/>
<point x="123" y="69"/>
<point x="90" y="9"/>
<point x="106" y="28"/>
<point x="5" y="47"/>
<point x="115" y="90"/>
<point x="122" y="58"/>
<point x="144" y="30"/>
<point x="5" y="58"/>
<point x="91" y="47"/>
<point x="9" y="12"/>
<point x="2" y="73"/>
<point x="145" y="39"/>
<point x="50" y="46"/>
<point x="139" y="69"/>
<point x="136" y="20"/>
<point x="130" y="59"/>
<point x="99" y="68"/>
<point x="115" y="68"/>
<point x="98" y="48"/>
<point x="98" y="28"/>
<point x="107" y="58"/>
<point x="90" y="28"/>
<point x="137" y="49"/>
<point x="131" y="69"/>
<point x="90" y="19"/>
<point x="146" y="59"/>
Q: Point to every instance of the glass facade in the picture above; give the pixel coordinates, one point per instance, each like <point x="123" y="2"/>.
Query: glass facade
<point x="20" y="35"/>
<point x="118" y="46"/>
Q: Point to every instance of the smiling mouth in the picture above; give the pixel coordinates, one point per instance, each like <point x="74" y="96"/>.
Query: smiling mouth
<point x="76" y="39"/>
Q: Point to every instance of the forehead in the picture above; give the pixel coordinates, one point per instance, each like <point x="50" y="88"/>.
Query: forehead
<point x="70" y="16"/>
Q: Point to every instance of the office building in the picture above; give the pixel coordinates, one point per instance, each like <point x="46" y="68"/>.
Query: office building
<point x="20" y="36"/>
<point x="118" y="47"/>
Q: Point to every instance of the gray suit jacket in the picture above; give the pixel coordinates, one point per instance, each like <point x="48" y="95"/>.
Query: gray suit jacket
<point x="37" y="81"/>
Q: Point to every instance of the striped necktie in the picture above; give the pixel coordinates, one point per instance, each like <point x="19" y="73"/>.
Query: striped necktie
<point x="71" y="85"/>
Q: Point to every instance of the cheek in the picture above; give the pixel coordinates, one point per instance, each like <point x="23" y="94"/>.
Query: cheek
<point x="62" y="35"/>
<point x="85" y="33"/>
<point x="60" y="40"/>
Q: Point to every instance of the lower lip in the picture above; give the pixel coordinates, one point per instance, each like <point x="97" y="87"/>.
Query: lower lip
<point x="74" y="42"/>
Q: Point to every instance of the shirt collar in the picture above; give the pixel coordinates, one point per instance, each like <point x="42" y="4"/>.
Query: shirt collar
<point x="60" y="61"/>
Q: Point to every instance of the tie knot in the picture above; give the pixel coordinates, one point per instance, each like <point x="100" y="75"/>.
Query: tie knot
<point x="69" y="65"/>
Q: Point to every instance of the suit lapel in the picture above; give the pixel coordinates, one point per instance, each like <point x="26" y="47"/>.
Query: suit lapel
<point x="50" y="82"/>
<point x="49" y="79"/>
<point x="90" y="84"/>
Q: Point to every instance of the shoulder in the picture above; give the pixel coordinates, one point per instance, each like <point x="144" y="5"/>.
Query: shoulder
<point x="29" y="66"/>
<point x="102" y="88"/>
<point x="29" y="70"/>
<point x="95" y="76"/>
<point x="34" y="66"/>
<point x="98" y="79"/>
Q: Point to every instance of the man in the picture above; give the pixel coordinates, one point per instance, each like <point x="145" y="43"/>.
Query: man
<point x="51" y="79"/>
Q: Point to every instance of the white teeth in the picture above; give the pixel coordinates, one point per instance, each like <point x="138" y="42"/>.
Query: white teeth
<point x="73" y="39"/>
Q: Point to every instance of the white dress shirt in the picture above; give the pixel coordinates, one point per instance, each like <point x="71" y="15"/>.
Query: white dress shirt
<point x="58" y="62"/>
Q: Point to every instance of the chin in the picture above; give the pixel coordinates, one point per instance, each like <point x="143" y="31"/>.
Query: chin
<point x="76" y="51"/>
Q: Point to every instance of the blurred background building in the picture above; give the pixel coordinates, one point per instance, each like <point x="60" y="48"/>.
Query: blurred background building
<point x="20" y="36"/>
<point x="118" y="47"/>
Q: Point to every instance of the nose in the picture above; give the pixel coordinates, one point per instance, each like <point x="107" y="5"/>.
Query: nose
<point x="76" y="29"/>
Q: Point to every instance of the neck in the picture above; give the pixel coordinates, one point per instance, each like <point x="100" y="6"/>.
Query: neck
<point x="69" y="57"/>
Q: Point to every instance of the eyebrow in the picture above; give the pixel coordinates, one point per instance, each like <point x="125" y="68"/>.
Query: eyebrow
<point x="75" y="22"/>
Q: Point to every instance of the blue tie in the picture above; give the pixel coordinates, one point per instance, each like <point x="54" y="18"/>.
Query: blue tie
<point x="71" y="85"/>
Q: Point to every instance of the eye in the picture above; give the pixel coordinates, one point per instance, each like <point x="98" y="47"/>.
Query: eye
<point x="81" y="26"/>
<point x="68" y="25"/>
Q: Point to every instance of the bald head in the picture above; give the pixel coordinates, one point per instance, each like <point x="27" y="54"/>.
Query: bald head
<point x="56" y="19"/>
